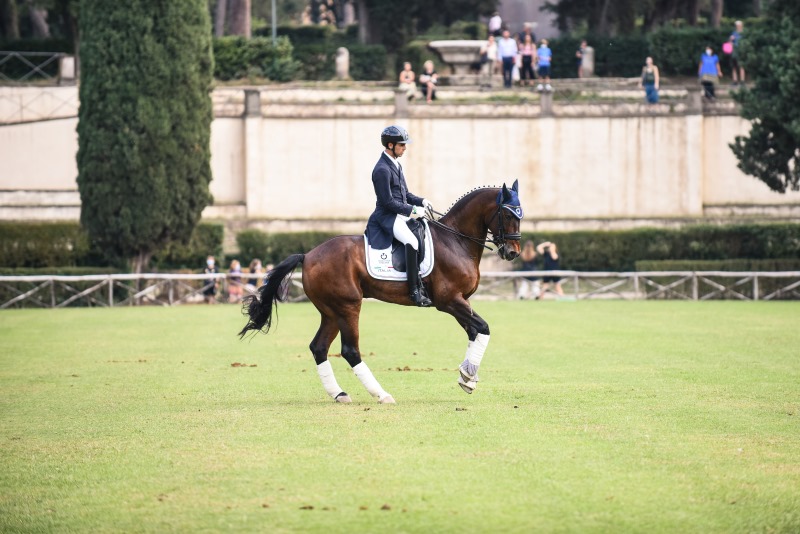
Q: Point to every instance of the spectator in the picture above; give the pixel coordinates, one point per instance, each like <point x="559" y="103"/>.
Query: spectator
<point x="507" y="50"/>
<point x="210" y="287"/>
<point x="495" y="24"/>
<point x="738" y="70"/>
<point x="709" y="72"/>
<point x="488" y="61"/>
<point x="428" y="80"/>
<point x="579" y="57"/>
<point x="527" y="31"/>
<point x="545" y="60"/>
<point x="235" y="281"/>
<point x="407" y="81"/>
<point x="649" y="80"/>
<point x="257" y="269"/>
<point x="528" y="53"/>
<point x="529" y="285"/>
<point x="549" y="252"/>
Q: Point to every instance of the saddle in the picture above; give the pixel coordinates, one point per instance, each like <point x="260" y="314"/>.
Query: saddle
<point x="390" y="263"/>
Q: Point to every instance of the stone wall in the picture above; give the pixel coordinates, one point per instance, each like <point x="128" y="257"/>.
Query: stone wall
<point x="302" y="160"/>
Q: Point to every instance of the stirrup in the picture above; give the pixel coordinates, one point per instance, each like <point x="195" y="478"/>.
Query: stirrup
<point x="420" y="299"/>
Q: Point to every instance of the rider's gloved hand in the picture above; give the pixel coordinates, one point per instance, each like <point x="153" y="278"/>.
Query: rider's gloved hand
<point x="427" y="205"/>
<point x="417" y="212"/>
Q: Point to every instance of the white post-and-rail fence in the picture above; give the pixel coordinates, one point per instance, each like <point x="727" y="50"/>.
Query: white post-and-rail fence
<point x="108" y="290"/>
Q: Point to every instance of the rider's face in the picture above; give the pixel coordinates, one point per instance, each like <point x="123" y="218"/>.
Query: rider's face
<point x="400" y="149"/>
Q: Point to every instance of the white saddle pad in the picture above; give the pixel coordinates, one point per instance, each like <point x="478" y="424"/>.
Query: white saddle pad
<point x="379" y="261"/>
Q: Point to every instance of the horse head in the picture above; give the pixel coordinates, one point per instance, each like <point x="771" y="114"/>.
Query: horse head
<point x="509" y="215"/>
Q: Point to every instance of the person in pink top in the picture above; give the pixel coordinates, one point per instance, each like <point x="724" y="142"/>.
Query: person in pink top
<point x="528" y="52"/>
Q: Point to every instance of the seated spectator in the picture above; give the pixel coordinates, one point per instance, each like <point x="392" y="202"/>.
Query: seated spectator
<point x="407" y="81"/>
<point x="428" y="80"/>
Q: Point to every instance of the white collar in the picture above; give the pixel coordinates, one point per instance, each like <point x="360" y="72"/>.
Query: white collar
<point x="392" y="159"/>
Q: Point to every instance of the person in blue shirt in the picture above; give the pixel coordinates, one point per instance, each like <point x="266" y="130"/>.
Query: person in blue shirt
<point x="709" y="72"/>
<point x="545" y="60"/>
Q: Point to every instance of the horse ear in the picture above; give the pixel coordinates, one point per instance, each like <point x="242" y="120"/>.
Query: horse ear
<point x="506" y="194"/>
<point x="515" y="187"/>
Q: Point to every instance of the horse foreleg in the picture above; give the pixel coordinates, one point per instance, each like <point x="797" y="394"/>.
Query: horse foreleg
<point x="319" y="348"/>
<point x="351" y="353"/>
<point x="478" y="333"/>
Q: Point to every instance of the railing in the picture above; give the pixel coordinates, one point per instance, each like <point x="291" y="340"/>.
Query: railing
<point x="28" y="66"/>
<point x="44" y="291"/>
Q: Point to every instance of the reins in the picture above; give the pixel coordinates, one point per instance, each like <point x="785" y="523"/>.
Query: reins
<point x="499" y="241"/>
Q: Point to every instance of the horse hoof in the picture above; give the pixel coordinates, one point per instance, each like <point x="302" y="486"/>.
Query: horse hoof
<point x="344" y="398"/>
<point x="468" y="386"/>
<point x="388" y="399"/>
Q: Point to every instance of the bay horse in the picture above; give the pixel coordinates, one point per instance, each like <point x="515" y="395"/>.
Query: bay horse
<point x="335" y="280"/>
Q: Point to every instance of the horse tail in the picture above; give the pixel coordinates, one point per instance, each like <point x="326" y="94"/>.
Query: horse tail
<point x="258" y="307"/>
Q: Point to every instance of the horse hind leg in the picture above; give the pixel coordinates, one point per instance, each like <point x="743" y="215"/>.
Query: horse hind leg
<point x="319" y="348"/>
<point x="352" y="354"/>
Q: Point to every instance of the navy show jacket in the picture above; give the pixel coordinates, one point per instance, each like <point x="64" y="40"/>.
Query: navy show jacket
<point x="393" y="199"/>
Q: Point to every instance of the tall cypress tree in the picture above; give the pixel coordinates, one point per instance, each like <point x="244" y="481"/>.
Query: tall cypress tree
<point x="144" y="123"/>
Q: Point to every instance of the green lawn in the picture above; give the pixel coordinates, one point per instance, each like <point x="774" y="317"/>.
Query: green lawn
<point x="589" y="417"/>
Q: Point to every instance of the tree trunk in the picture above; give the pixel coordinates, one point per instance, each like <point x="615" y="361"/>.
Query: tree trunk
<point x="693" y="12"/>
<point x="757" y="8"/>
<point x="602" y="26"/>
<point x="364" y="34"/>
<point x="38" y="17"/>
<point x="140" y="262"/>
<point x="219" y="18"/>
<point x="10" y="19"/>
<point x="716" y="13"/>
<point x="240" y="17"/>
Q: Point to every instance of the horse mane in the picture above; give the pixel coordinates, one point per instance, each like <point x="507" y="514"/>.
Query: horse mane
<point x="469" y="194"/>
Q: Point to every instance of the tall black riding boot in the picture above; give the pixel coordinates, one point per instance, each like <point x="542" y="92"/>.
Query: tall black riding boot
<point x="415" y="289"/>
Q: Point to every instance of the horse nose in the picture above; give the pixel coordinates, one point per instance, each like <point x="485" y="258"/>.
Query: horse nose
<point x="512" y="254"/>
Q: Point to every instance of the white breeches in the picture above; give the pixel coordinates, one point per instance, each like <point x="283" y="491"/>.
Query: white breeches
<point x="402" y="233"/>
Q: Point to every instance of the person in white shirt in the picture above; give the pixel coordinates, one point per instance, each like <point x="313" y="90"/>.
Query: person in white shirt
<point x="507" y="50"/>
<point x="495" y="24"/>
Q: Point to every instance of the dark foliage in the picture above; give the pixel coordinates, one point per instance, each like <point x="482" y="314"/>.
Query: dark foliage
<point x="771" y="57"/>
<point x="144" y="123"/>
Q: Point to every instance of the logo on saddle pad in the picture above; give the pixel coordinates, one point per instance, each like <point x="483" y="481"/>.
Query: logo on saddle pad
<point x="389" y="263"/>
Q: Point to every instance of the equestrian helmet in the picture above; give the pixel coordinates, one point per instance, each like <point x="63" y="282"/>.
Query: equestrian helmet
<point x="394" y="134"/>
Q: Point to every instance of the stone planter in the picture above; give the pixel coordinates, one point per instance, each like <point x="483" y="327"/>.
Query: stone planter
<point x="459" y="54"/>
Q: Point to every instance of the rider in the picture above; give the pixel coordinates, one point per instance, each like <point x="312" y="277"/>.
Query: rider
<point x="395" y="206"/>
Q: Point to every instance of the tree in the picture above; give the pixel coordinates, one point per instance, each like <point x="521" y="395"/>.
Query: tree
<point x="392" y="23"/>
<point x="144" y="123"/>
<point x="771" y="57"/>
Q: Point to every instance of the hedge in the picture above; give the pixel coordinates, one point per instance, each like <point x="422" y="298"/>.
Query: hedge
<point x="206" y="239"/>
<point x="63" y="248"/>
<point x="620" y="250"/>
<point x="274" y="248"/>
<point x="26" y="245"/>
<point x="237" y="57"/>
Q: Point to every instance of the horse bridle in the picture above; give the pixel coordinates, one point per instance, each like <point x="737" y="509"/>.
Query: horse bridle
<point x="498" y="239"/>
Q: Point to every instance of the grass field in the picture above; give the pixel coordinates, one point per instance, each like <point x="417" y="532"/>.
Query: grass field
<point x="589" y="417"/>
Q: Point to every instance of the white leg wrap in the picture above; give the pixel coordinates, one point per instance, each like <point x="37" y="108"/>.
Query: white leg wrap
<point x="368" y="379"/>
<point x="476" y="348"/>
<point x="325" y="372"/>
